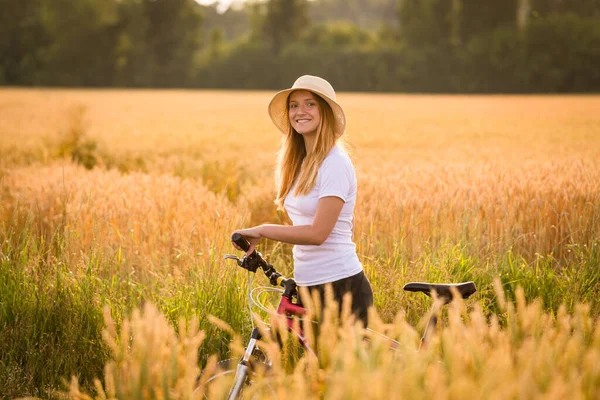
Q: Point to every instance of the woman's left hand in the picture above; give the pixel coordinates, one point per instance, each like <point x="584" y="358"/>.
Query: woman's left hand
<point x="252" y="235"/>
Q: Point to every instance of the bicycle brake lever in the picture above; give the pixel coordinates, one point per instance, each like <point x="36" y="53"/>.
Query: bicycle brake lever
<point x="233" y="257"/>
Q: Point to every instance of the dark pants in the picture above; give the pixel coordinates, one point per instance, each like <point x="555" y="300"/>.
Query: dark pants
<point x="360" y="289"/>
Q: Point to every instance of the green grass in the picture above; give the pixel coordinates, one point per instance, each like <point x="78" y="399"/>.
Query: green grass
<point x="51" y="312"/>
<point x="51" y="302"/>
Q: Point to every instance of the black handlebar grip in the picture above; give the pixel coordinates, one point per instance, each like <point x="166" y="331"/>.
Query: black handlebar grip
<point x="240" y="241"/>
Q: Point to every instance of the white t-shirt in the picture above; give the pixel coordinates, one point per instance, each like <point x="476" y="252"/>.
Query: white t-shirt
<point x="336" y="258"/>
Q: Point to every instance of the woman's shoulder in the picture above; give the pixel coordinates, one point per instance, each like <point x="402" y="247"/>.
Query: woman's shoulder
<point x="338" y="154"/>
<point x="338" y="159"/>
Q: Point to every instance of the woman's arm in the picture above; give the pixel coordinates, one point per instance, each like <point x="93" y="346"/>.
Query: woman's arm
<point x="328" y="212"/>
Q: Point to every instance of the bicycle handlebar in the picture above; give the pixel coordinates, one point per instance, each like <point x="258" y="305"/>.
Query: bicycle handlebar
<point x="240" y="241"/>
<point x="254" y="260"/>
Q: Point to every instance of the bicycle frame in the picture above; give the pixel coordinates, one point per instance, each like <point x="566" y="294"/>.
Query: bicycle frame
<point x="286" y="307"/>
<point x="290" y="310"/>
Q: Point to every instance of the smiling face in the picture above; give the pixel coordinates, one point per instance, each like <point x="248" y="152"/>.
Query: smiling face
<point x="304" y="112"/>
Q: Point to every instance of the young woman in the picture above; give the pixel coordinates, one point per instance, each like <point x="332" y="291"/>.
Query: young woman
<point x="316" y="185"/>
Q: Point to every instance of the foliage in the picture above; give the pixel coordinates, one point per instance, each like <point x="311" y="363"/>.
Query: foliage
<point x="454" y="46"/>
<point x="99" y="43"/>
<point x="554" y="54"/>
<point x="571" y="52"/>
<point x="284" y="22"/>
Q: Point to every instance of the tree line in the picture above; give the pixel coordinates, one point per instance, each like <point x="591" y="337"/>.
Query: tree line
<point x="467" y="46"/>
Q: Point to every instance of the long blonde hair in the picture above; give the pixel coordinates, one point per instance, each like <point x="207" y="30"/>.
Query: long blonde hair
<point x="292" y="160"/>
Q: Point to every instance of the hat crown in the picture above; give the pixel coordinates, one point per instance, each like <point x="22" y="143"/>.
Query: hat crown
<point x="314" y="83"/>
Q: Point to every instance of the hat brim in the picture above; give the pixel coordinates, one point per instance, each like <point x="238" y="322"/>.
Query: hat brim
<point x="279" y="115"/>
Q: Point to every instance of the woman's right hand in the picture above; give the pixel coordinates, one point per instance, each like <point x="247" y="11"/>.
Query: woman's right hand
<point x="252" y="235"/>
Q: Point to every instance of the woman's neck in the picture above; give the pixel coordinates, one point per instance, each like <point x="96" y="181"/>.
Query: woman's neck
<point x="309" y="142"/>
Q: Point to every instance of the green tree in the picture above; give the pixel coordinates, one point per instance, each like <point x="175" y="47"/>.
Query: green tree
<point x="216" y="43"/>
<point x="22" y="38"/>
<point x="132" y="58"/>
<point x="82" y="38"/>
<point x="425" y="22"/>
<point x="284" y="22"/>
<point x="583" y="8"/>
<point x="481" y="16"/>
<point x="337" y="36"/>
<point x="173" y="37"/>
<point x="365" y="14"/>
<point x="234" y="22"/>
<point x="157" y="42"/>
<point x="58" y="41"/>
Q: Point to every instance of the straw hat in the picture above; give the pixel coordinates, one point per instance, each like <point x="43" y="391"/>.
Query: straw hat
<point x="320" y="87"/>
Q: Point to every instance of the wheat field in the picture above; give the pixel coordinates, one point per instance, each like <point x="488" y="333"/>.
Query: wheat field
<point x="113" y="199"/>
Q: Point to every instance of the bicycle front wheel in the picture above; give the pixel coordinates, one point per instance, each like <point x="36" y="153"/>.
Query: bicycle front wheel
<point x="232" y="382"/>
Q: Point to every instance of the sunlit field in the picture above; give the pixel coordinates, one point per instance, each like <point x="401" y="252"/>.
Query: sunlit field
<point x="120" y="199"/>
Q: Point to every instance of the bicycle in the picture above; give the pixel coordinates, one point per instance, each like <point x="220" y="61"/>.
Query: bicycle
<point x="253" y="356"/>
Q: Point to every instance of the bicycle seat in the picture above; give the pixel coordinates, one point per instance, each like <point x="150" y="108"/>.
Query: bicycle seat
<point x="443" y="290"/>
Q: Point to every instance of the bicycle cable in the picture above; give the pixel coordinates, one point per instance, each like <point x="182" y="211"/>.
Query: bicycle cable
<point x="250" y="281"/>
<point x="257" y="292"/>
<point x="254" y="299"/>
